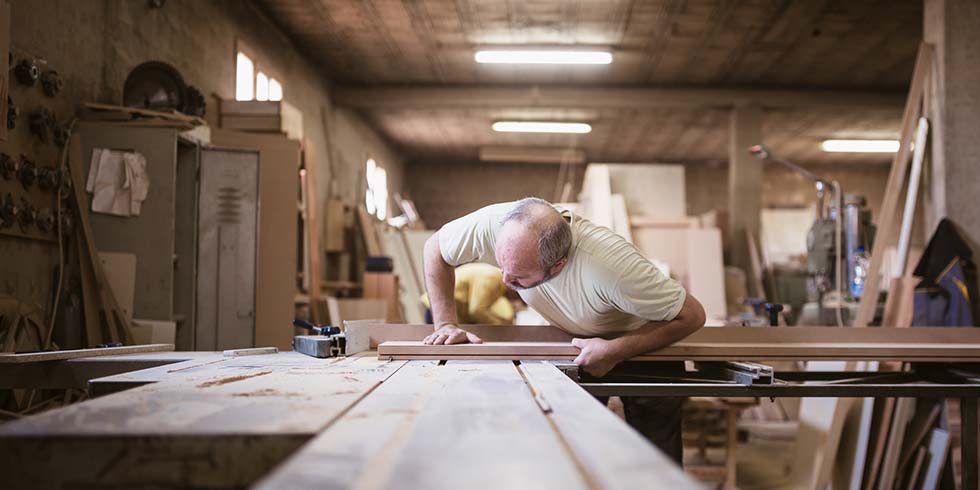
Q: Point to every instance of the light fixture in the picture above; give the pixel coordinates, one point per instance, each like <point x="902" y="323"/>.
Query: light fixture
<point x="541" y="127"/>
<point x="860" y="146"/>
<point x="544" y="57"/>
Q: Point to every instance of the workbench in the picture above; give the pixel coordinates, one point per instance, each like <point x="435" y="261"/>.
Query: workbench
<point x="292" y="421"/>
<point x="513" y="414"/>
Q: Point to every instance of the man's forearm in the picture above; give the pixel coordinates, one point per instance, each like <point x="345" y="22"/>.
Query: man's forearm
<point x="440" y="281"/>
<point x="657" y="335"/>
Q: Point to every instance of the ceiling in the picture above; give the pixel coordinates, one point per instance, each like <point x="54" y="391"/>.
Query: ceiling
<point x="863" y="46"/>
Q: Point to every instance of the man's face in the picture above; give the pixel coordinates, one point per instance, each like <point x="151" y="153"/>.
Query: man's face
<point x="517" y="255"/>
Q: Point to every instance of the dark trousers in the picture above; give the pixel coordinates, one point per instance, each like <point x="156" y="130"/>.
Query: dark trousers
<point x="658" y="419"/>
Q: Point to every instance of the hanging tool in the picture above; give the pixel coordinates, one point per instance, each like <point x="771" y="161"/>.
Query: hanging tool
<point x="326" y="341"/>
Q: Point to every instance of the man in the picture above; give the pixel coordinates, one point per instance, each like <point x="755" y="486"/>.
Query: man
<point x="480" y="295"/>
<point x="584" y="279"/>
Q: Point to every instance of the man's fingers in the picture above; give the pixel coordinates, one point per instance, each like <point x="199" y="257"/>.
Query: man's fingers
<point x="440" y="339"/>
<point x="457" y="337"/>
<point x="473" y="338"/>
<point x="428" y="339"/>
<point x="578" y="343"/>
<point x="580" y="359"/>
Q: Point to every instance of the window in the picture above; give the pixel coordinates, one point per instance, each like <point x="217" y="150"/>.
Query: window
<point x="261" y="87"/>
<point x="243" y="77"/>
<point x="251" y="84"/>
<point x="376" y="196"/>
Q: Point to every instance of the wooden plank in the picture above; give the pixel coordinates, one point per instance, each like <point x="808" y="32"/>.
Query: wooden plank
<point x="76" y="373"/>
<point x="889" y="465"/>
<point x="687" y="350"/>
<point x="881" y="437"/>
<point x="608" y="451"/>
<point x="381" y="332"/>
<point x="54" y="355"/>
<point x="369" y="232"/>
<point x="222" y="425"/>
<point x="938" y="448"/>
<point x="358" y="448"/>
<point x="333" y="234"/>
<point x="889" y="203"/>
<point x="345" y="309"/>
<point x="313" y="248"/>
<point x="487" y="419"/>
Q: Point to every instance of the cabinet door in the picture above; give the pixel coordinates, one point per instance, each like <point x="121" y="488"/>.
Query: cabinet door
<point x="227" y="234"/>
<point x="150" y="235"/>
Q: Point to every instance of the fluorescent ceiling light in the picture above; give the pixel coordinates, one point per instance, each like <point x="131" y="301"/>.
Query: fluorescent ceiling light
<point x="547" y="57"/>
<point x="860" y="146"/>
<point x="540" y="127"/>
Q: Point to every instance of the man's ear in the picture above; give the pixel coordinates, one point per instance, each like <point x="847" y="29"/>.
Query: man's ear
<point x="555" y="269"/>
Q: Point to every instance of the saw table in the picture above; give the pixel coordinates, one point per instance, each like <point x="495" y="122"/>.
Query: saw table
<point x="501" y="415"/>
<point x="292" y="421"/>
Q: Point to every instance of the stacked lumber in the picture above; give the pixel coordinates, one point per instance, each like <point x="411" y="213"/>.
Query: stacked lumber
<point x="114" y="114"/>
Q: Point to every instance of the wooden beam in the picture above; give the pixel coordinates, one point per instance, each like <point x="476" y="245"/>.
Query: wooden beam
<point x="886" y="234"/>
<point x="635" y="97"/>
<point x="702" y="351"/>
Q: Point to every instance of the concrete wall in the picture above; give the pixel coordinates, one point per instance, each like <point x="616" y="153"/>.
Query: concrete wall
<point x="94" y="44"/>
<point x="443" y="191"/>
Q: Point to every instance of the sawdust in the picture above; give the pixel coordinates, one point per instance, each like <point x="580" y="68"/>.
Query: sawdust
<point x="267" y="392"/>
<point x="231" y="379"/>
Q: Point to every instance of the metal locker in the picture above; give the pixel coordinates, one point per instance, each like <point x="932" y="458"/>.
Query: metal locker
<point x="227" y="247"/>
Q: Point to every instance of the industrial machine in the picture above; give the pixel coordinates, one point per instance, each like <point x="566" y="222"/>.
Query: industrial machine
<point x="838" y="247"/>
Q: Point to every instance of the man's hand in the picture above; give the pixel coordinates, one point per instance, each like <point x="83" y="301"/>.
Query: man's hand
<point x="451" y="334"/>
<point x="597" y="356"/>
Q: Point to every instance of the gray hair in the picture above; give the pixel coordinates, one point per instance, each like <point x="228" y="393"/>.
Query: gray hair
<point x="554" y="238"/>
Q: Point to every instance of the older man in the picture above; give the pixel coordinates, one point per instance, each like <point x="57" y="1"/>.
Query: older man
<point x="584" y="279"/>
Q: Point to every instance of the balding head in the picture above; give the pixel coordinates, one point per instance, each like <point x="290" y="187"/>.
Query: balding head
<point x="533" y="243"/>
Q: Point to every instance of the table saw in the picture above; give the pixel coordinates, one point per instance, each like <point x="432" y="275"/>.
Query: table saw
<point x="445" y="417"/>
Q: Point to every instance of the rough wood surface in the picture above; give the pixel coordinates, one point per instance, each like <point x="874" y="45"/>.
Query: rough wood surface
<point x="686" y="350"/>
<point x="502" y="426"/>
<point x="612" y="455"/>
<point x="218" y="425"/>
<point x="56" y="355"/>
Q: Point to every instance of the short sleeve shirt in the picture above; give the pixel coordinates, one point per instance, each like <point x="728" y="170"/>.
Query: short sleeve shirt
<point x="607" y="287"/>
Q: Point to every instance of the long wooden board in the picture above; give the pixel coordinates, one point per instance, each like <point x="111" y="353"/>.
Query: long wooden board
<point x="686" y="350"/>
<point x="218" y="425"/>
<point x="57" y="355"/>
<point x="612" y="455"/>
<point x="382" y="332"/>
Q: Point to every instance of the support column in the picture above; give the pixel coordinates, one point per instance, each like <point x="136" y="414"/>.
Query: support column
<point x="744" y="187"/>
<point x="954" y="174"/>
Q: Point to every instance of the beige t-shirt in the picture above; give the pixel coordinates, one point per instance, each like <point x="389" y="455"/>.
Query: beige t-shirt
<point x="607" y="287"/>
